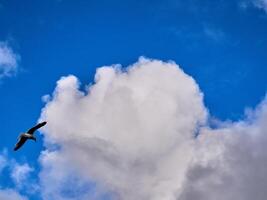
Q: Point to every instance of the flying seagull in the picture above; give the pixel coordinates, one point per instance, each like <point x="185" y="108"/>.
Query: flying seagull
<point x="28" y="135"/>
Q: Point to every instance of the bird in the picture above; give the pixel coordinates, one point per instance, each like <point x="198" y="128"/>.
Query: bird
<point x="28" y="135"/>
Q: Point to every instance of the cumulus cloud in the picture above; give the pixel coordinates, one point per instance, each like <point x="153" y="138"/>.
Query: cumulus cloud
<point x="60" y="180"/>
<point x="143" y="133"/>
<point x="8" y="60"/>
<point x="131" y="132"/>
<point x="230" y="161"/>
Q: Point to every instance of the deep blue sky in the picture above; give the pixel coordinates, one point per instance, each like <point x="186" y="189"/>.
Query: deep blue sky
<point x="222" y="45"/>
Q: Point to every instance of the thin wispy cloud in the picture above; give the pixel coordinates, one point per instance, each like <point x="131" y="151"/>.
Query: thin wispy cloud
<point x="8" y="60"/>
<point x="3" y="162"/>
<point x="10" y="194"/>
<point x="20" y="173"/>
<point x="214" y="34"/>
<point x="17" y="172"/>
<point x="260" y="4"/>
<point x="205" y="32"/>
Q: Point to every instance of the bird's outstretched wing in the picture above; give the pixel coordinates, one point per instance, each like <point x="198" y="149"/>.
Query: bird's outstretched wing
<point x="21" y="141"/>
<point x="31" y="131"/>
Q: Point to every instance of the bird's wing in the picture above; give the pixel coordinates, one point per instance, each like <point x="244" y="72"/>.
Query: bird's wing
<point x="21" y="141"/>
<point x="31" y="131"/>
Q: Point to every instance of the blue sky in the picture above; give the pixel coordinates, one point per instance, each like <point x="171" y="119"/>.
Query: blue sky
<point x="221" y="44"/>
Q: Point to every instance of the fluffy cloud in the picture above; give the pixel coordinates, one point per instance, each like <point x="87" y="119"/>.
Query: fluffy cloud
<point x="230" y="161"/>
<point x="8" y="60"/>
<point x="131" y="132"/>
<point x="143" y="133"/>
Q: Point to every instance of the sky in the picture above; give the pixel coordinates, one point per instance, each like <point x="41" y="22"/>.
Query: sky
<point x="162" y="100"/>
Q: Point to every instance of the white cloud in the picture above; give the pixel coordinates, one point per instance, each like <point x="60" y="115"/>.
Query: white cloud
<point x="230" y="161"/>
<point x="8" y="60"/>
<point x="20" y="173"/>
<point x="132" y="134"/>
<point x="60" y="180"/>
<point x="9" y="194"/>
<point x="10" y="166"/>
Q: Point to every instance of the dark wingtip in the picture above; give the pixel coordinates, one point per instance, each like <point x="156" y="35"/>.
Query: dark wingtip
<point x="42" y="123"/>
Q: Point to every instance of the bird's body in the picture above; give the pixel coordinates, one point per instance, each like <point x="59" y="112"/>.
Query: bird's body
<point x="28" y="135"/>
